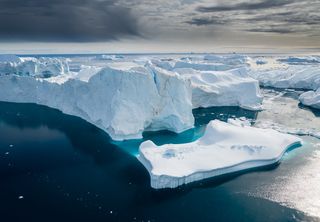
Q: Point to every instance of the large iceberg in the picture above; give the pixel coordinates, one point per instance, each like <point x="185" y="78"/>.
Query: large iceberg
<point x="124" y="103"/>
<point x="224" y="148"/>
<point x="311" y="98"/>
<point x="293" y="76"/>
<point x="223" y="88"/>
<point x="216" y="84"/>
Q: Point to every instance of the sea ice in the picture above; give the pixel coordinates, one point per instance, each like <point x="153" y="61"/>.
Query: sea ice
<point x="224" y="148"/>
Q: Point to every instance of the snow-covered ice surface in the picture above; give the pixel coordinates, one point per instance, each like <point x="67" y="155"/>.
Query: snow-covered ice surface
<point x="311" y="98"/>
<point x="224" y="148"/>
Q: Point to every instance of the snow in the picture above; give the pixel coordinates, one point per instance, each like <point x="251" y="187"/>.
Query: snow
<point x="124" y="103"/>
<point x="311" y="98"/>
<point x="223" y="88"/>
<point x="224" y="148"/>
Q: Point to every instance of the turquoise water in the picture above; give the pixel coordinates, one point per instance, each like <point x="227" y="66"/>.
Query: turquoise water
<point x="55" y="167"/>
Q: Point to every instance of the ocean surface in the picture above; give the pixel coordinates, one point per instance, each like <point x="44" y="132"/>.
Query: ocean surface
<point x="56" y="167"/>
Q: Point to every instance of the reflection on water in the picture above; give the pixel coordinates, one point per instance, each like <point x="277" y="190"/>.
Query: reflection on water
<point x="55" y="167"/>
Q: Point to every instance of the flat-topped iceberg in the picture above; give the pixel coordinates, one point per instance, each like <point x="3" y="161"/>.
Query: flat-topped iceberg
<point x="223" y="88"/>
<point x="311" y="98"/>
<point x="124" y="103"/>
<point x="224" y="148"/>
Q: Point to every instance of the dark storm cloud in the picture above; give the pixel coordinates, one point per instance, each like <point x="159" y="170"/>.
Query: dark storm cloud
<point x="265" y="4"/>
<point x="65" y="20"/>
<point x="207" y="21"/>
<point x="272" y="30"/>
<point x="288" y="17"/>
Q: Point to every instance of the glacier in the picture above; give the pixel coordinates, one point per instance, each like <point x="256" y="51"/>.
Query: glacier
<point x="224" y="148"/>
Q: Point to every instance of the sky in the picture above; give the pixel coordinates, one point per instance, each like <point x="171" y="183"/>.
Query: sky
<point x="133" y="26"/>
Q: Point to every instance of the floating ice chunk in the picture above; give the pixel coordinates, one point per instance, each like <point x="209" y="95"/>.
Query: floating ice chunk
<point x="311" y="98"/>
<point x="223" y="149"/>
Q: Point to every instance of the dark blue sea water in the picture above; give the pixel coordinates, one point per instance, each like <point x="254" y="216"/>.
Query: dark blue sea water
<point x="56" y="167"/>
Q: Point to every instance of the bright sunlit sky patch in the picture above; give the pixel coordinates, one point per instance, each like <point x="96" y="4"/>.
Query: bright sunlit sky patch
<point x="60" y="26"/>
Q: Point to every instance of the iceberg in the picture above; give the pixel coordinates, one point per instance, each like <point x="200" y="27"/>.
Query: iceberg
<point x="123" y="103"/>
<point x="224" y="148"/>
<point x="210" y="87"/>
<point x="311" y="98"/>
<point x="293" y="76"/>
<point x="223" y="88"/>
<point x="41" y="68"/>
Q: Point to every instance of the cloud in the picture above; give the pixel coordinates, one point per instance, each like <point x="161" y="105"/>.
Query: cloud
<point x="65" y="20"/>
<point x="272" y="30"/>
<point x="265" y="4"/>
<point x="207" y="21"/>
